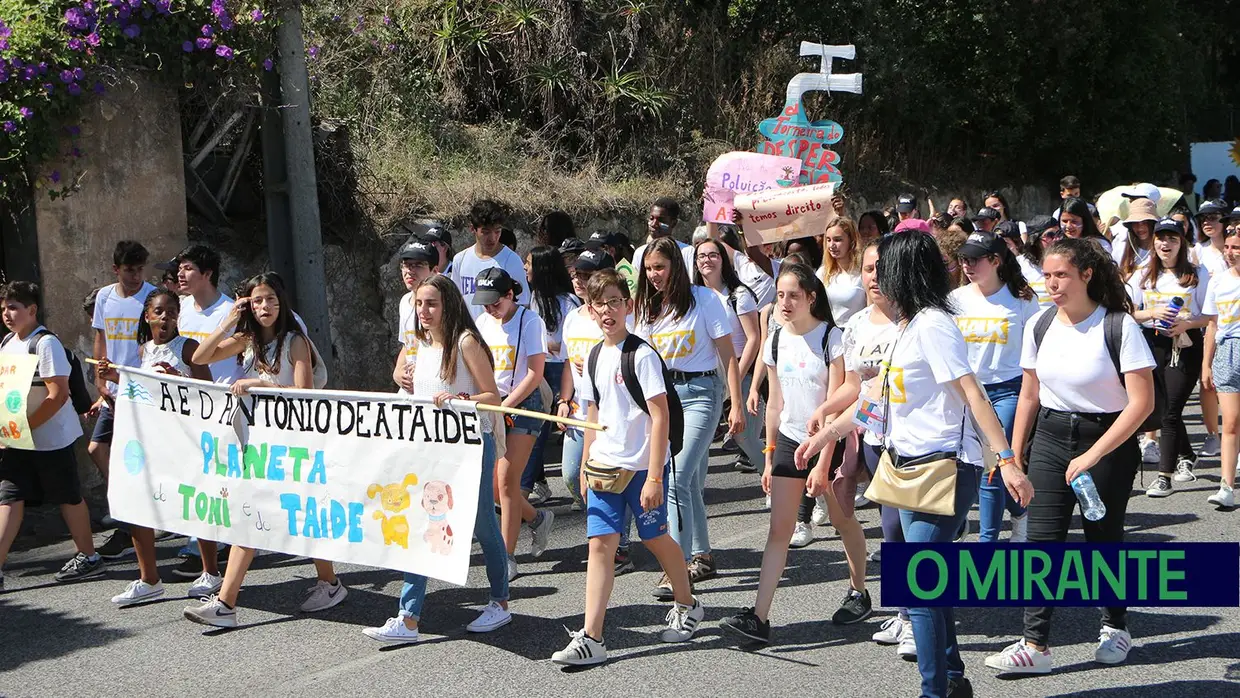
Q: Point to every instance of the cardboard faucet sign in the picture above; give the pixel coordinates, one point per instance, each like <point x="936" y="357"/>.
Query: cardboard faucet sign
<point x="16" y="373"/>
<point x="733" y="174"/>
<point x="792" y="134"/>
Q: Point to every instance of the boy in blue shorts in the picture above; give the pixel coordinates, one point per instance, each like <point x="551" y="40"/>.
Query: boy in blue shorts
<point x="634" y="446"/>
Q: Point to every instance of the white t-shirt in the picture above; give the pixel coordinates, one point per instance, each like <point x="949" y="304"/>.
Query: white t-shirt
<point x="118" y="317"/>
<point x="687" y="343"/>
<point x="1036" y="280"/>
<point x="467" y="265"/>
<point x="926" y="415"/>
<point x="803" y="374"/>
<point x="406" y="333"/>
<point x="845" y="295"/>
<point x="512" y="344"/>
<point x="1117" y="252"/>
<point x="1086" y="383"/>
<point x="568" y="303"/>
<point x="199" y="324"/>
<point x="753" y="277"/>
<point x="745" y="303"/>
<point x="866" y="345"/>
<point x="1223" y="301"/>
<point x="581" y="333"/>
<point x="1210" y="258"/>
<point x="626" y="442"/>
<point x="686" y="253"/>
<point x="992" y="327"/>
<point x="1167" y="287"/>
<point x="63" y="428"/>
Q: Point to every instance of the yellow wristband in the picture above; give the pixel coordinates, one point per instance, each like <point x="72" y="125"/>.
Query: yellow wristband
<point x="769" y="449"/>
<point x="656" y="480"/>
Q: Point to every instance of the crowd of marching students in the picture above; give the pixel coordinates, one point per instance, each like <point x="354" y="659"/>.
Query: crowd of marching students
<point x="1029" y="353"/>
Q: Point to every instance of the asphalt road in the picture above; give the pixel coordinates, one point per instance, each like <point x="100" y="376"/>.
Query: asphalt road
<point x="66" y="639"/>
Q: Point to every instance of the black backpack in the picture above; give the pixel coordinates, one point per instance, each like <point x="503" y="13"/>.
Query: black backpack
<point x="79" y="394"/>
<point x="1113" y="339"/>
<point x="628" y="369"/>
<point x="826" y="338"/>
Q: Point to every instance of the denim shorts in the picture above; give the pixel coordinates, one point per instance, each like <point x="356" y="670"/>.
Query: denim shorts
<point x="1226" y="366"/>
<point x="605" y="511"/>
<point x="527" y="426"/>
<point x="103" y="425"/>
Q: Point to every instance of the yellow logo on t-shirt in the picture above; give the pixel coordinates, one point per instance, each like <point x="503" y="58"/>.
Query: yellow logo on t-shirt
<point x="1228" y="312"/>
<point x="120" y="328"/>
<point x="505" y="357"/>
<point x="984" y="330"/>
<point x="894" y="377"/>
<point x="579" y="347"/>
<point x="1154" y="300"/>
<point x="410" y="339"/>
<point x="1039" y="287"/>
<point x="674" y="345"/>
<point x="196" y="336"/>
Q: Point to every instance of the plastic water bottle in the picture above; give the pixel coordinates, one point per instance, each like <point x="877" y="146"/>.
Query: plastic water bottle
<point x="1176" y="304"/>
<point x="1092" y="507"/>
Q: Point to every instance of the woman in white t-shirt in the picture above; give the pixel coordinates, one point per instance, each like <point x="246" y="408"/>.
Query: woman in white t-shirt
<point x="1178" y="350"/>
<point x="1077" y="221"/>
<point x="1087" y="413"/>
<point x="1210" y="255"/>
<point x="841" y="269"/>
<point x="714" y="271"/>
<point x="1221" y="364"/>
<point x="518" y="341"/>
<point x="1043" y="232"/>
<point x="991" y="312"/>
<point x="926" y="394"/>
<point x="262" y="332"/>
<point x="552" y="297"/>
<point x="689" y="327"/>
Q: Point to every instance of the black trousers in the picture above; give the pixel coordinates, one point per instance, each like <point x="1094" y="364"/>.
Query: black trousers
<point x="1179" y="378"/>
<point x="1057" y="439"/>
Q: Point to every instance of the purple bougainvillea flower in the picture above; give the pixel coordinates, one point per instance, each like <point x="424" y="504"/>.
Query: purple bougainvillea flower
<point x="4" y="44"/>
<point x="188" y="47"/>
<point x="257" y="15"/>
<point x="9" y="127"/>
<point x="5" y="32"/>
<point x="27" y="73"/>
<point x="48" y="88"/>
<point x="226" y="23"/>
<point x="99" y="88"/>
<point x="76" y="18"/>
<point x="391" y="48"/>
<point x="313" y="51"/>
<point x="207" y="30"/>
<point x="123" y="13"/>
<point x="17" y="63"/>
<point x="218" y="7"/>
<point x="76" y="45"/>
<point x="203" y="43"/>
<point x="26" y="112"/>
<point x="387" y="21"/>
<point x="66" y="76"/>
<point x="42" y="67"/>
<point x="4" y="77"/>
<point x="92" y="38"/>
<point x="74" y="89"/>
<point x="268" y="65"/>
<point x="76" y="153"/>
<point x="162" y="6"/>
<point x="135" y="3"/>
<point x="73" y="130"/>
<point x="55" y="177"/>
<point x="132" y="31"/>
<point x="78" y="73"/>
<point x="224" y="52"/>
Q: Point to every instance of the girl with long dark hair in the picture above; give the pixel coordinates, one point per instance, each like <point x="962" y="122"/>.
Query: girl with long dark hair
<point x="1209" y="254"/>
<point x="454" y="362"/>
<point x="991" y="312"/>
<point x="1133" y="251"/>
<point x="1077" y="221"/>
<point x="262" y="332"/>
<point x="1178" y="351"/>
<point x="1043" y="232"/>
<point x="871" y="226"/>
<point x="1221" y="364"/>
<point x="1087" y="413"/>
<point x="689" y="327"/>
<point x="553" y="299"/>
<point x="929" y="393"/>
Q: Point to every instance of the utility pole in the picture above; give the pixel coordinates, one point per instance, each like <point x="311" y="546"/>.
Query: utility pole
<point x="303" y="199"/>
<point x="275" y="184"/>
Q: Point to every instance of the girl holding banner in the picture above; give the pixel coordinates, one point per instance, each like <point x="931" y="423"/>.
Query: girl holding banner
<point x="263" y="333"/>
<point x="454" y="362"/>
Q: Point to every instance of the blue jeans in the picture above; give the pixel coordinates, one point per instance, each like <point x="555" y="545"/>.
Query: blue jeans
<point x="748" y="439"/>
<point x="702" y="401"/>
<point x="993" y="497"/>
<point x="934" y="629"/>
<point x="486" y="530"/>
<point x="535" y="467"/>
<point x="889" y="516"/>
<point x="570" y="469"/>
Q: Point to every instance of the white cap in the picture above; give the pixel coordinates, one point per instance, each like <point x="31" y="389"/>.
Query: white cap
<point x="1144" y="190"/>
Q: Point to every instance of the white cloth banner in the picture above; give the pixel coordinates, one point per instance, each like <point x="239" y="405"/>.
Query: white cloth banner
<point x="376" y="479"/>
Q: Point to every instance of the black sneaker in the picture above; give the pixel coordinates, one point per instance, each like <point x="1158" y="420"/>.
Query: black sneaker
<point x="118" y="545"/>
<point x="959" y="688"/>
<point x="730" y="445"/>
<point x="748" y="624"/>
<point x="854" y="609"/>
<point x="742" y="464"/>
<point x="81" y="567"/>
<point x="190" y="567"/>
<point x="624" y="561"/>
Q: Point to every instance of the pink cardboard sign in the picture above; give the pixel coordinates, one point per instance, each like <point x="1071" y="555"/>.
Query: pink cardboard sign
<point x="738" y="173"/>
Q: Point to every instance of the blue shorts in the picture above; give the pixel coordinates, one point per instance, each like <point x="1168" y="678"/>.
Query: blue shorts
<point x="605" y="511"/>
<point x="528" y="426"/>
<point x="1226" y="366"/>
<point x="103" y="426"/>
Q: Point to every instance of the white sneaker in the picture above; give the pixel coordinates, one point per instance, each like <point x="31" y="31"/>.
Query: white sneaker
<point x="323" y="596"/>
<point x="889" y="632"/>
<point x="860" y="500"/>
<point x="512" y="568"/>
<point x="768" y="502"/>
<point x="393" y="632"/>
<point x="540" y="493"/>
<point x="493" y="616"/>
<point x="1212" y="446"/>
<point x="1020" y="529"/>
<point x="1160" y="487"/>
<point x="1225" y="497"/>
<point x="139" y="591"/>
<point x="1149" y="450"/>
<point x="212" y="612"/>
<point x="540" y="533"/>
<point x="1184" y="471"/>
<point x="1019" y="658"/>
<point x="802" y="536"/>
<point x="206" y="585"/>
<point x="1113" y="646"/>
<point x="876" y="556"/>
<point x="820" y="516"/>
<point x="907" y="649"/>
<point x="582" y="650"/>
<point x="683" y="621"/>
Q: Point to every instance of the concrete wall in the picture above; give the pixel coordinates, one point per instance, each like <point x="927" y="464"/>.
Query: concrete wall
<point x="133" y="188"/>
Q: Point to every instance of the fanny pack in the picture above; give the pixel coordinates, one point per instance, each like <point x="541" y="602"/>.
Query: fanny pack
<point x="606" y="478"/>
<point x="926" y="484"/>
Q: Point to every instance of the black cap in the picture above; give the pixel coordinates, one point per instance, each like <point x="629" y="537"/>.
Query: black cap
<point x="171" y="265"/>
<point x="420" y="251"/>
<point x="492" y="284"/>
<point x="594" y="260"/>
<point x="986" y="214"/>
<point x="981" y="245"/>
<point x="1234" y="215"/>
<point x="437" y="234"/>
<point x="571" y="246"/>
<point x="906" y="203"/>
<point x="1214" y="206"/>
<point x="600" y="238"/>
<point x="1168" y="225"/>
<point x="1041" y="224"/>
<point x="1008" y="229"/>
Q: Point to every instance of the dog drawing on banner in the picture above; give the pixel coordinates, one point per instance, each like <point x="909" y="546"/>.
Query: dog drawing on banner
<point x="394" y="498"/>
<point x="437" y="501"/>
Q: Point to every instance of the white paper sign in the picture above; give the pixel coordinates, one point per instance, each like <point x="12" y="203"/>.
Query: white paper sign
<point x="376" y="479"/>
<point x="786" y="214"/>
